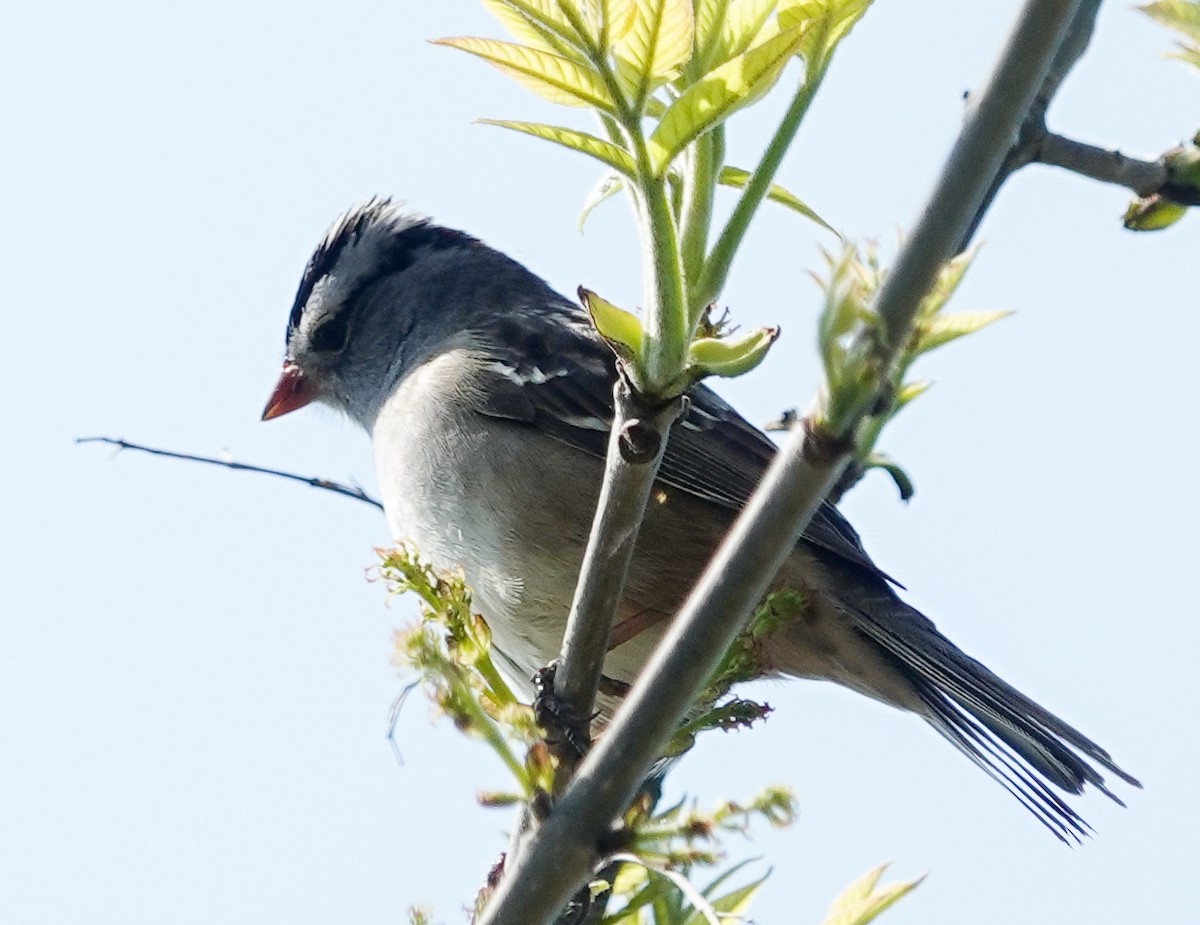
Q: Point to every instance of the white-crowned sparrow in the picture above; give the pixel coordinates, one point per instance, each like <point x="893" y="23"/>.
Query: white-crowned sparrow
<point x="489" y="397"/>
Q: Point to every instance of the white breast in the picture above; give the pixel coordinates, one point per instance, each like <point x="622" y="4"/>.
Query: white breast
<point x="465" y="489"/>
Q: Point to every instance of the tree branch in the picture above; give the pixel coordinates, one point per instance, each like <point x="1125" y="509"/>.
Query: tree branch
<point x="325" y="484"/>
<point x="577" y="833"/>
<point x="1143" y="177"/>
<point x="1028" y="137"/>
<point x="636" y="445"/>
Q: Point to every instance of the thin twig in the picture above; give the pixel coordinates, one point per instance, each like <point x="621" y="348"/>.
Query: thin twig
<point x="637" y="442"/>
<point x="1143" y="177"/>
<point x="572" y="839"/>
<point x="325" y="484"/>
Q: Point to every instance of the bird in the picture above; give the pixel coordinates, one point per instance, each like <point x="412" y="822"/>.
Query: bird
<point x="488" y="397"/>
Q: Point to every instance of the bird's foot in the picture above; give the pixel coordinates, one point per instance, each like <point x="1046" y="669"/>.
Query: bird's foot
<point x="567" y="734"/>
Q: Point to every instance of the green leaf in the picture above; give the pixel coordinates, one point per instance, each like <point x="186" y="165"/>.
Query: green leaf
<point x="622" y="329"/>
<point x="651" y="892"/>
<point x="737" y="178"/>
<point x="604" y="22"/>
<point x="705" y="913"/>
<point x="618" y="19"/>
<point x="1153" y="213"/>
<point x="908" y="392"/>
<point x="537" y="23"/>
<point x="630" y="878"/>
<point x="903" y="483"/>
<point x="604" y="151"/>
<point x="551" y="76"/>
<point x="655" y="46"/>
<point x="731" y="356"/>
<point x="947" y="282"/>
<point x="861" y="902"/>
<point x="610" y="184"/>
<point x="831" y="21"/>
<point x="941" y="329"/>
<point x="709" y="19"/>
<point x="732" y="905"/>
<point x="731" y="872"/>
<point x="742" y="27"/>
<point x="712" y="99"/>
<point x="1179" y="15"/>
<point x="1184" y="18"/>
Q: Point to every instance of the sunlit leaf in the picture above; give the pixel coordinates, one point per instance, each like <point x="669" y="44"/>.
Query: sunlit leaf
<point x="551" y="76"/>
<point x="908" y="392"/>
<point x="730" y="356"/>
<point x="742" y="27"/>
<point x="630" y="878"/>
<point x="1180" y="15"/>
<point x="707" y="915"/>
<point x="1153" y="213"/>
<point x="618" y="19"/>
<point x="637" y="894"/>
<point x="709" y="19"/>
<point x="601" y="150"/>
<point x="715" y="97"/>
<point x="737" y="178"/>
<point x="793" y="12"/>
<point x="1184" y="17"/>
<point x="622" y="329"/>
<point x="537" y="23"/>
<point x="725" y="875"/>
<point x="610" y="184"/>
<point x="830" y="21"/>
<point x="734" y="904"/>
<point x="941" y="328"/>
<point x="947" y="282"/>
<point x="656" y="44"/>
<point x="862" y="902"/>
<point x="603" y="22"/>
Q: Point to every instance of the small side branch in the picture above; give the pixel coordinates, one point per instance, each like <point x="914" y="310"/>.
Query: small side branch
<point x="324" y="484"/>
<point x="1143" y="177"/>
<point x="636" y="445"/>
<point x="1170" y="177"/>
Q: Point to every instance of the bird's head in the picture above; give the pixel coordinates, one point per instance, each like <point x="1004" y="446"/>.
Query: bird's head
<point x="365" y="308"/>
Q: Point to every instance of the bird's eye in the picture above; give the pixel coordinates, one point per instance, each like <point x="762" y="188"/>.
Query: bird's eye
<point x="330" y="334"/>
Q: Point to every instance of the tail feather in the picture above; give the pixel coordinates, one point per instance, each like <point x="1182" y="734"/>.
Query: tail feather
<point x="1015" y="740"/>
<point x="970" y="738"/>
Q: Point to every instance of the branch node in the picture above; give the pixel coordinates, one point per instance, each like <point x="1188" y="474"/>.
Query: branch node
<point x="822" y="448"/>
<point x="639" y="442"/>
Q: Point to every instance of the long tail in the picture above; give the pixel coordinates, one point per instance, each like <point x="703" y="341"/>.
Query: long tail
<point x="1016" y="741"/>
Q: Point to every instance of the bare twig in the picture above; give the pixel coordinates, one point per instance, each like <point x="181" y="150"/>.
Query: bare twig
<point x="325" y="484"/>
<point x="1143" y="177"/>
<point x="575" y="836"/>
<point x="637" y="442"/>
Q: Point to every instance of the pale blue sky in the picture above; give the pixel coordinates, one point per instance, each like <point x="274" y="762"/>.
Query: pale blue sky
<point x="194" y="675"/>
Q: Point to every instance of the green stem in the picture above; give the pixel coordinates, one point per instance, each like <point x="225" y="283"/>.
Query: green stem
<point x="666" y="339"/>
<point x="488" y="672"/>
<point x="665" y="347"/>
<point x="716" y="270"/>
<point x="699" y="186"/>
<point x="487" y="728"/>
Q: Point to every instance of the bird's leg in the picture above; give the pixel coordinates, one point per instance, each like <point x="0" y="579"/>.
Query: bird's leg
<point x="568" y="736"/>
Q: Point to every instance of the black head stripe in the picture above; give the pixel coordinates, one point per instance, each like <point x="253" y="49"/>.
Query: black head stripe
<point x="411" y="234"/>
